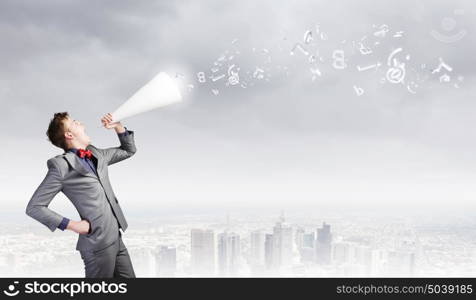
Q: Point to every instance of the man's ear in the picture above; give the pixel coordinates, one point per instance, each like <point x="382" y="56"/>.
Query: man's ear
<point x="68" y="135"/>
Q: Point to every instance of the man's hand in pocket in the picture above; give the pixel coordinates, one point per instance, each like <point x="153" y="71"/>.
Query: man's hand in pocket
<point x="80" y="227"/>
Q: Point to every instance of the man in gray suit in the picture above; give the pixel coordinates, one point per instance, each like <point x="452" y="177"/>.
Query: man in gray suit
<point x="81" y="173"/>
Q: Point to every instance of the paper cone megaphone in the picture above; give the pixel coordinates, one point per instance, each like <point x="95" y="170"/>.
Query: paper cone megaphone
<point x="162" y="90"/>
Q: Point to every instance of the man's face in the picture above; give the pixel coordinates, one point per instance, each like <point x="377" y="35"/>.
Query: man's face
<point x="75" y="131"/>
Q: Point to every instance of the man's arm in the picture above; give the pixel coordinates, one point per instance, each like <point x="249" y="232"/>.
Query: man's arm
<point x="37" y="207"/>
<point x="126" y="138"/>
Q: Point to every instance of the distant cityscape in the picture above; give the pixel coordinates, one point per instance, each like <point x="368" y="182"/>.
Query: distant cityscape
<point x="265" y="247"/>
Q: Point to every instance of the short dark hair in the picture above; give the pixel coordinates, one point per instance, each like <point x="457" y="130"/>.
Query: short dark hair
<point x="56" y="130"/>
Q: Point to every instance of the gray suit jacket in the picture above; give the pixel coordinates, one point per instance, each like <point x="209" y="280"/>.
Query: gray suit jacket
<point x="91" y="195"/>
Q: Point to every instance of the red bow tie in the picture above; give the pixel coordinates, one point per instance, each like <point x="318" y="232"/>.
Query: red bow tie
<point x="85" y="153"/>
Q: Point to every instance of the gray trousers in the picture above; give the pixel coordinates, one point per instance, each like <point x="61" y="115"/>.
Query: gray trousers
<point x="110" y="262"/>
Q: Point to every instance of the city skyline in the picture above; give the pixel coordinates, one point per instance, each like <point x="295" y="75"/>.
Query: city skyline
<point x="243" y="246"/>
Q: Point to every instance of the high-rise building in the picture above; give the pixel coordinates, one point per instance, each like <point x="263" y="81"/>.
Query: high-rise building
<point x="268" y="249"/>
<point x="299" y="237"/>
<point x="165" y="261"/>
<point x="282" y="244"/>
<point x="306" y="246"/>
<point x="309" y="240"/>
<point x="323" y="244"/>
<point x="229" y="253"/>
<point x="256" y="257"/>
<point x="202" y="252"/>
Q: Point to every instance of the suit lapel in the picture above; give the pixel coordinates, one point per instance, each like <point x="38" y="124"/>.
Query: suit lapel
<point x="73" y="160"/>
<point x="97" y="156"/>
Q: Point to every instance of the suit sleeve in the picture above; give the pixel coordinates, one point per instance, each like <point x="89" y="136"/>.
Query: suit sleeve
<point x="125" y="150"/>
<point x="37" y="208"/>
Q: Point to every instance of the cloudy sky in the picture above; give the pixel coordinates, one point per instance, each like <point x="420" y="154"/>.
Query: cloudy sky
<point x="284" y="141"/>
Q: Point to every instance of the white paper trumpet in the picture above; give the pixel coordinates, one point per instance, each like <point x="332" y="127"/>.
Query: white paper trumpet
<point x="162" y="90"/>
